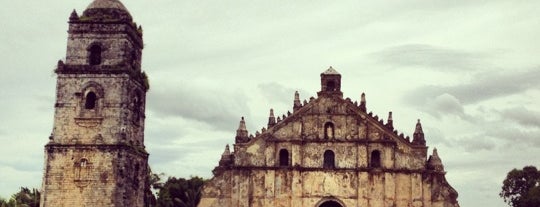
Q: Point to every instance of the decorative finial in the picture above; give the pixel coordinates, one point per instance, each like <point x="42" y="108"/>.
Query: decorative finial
<point x="225" y="157"/>
<point x="241" y="132"/>
<point x="227" y="151"/>
<point x="363" y="102"/>
<point x="271" y="119"/>
<point x="390" y="123"/>
<point x="418" y="136"/>
<point x="242" y="125"/>
<point x="74" y="16"/>
<point x="434" y="162"/>
<point x="297" y="104"/>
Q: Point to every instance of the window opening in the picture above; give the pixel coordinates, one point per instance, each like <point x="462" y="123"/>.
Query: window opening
<point x="283" y="157"/>
<point x="376" y="158"/>
<point x="329" y="161"/>
<point x="95" y="55"/>
<point x="83" y="163"/>
<point x="91" y="100"/>
<point x="330" y="86"/>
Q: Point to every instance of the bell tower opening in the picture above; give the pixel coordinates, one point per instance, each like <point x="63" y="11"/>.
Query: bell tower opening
<point x="90" y="102"/>
<point x="95" y="55"/>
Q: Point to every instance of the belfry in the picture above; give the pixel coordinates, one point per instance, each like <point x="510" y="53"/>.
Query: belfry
<point x="96" y="154"/>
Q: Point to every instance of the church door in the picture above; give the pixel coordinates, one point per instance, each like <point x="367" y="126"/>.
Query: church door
<point x="330" y="204"/>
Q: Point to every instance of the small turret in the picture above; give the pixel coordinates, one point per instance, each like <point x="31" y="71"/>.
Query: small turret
<point x="390" y="122"/>
<point x="363" y="102"/>
<point x="434" y="162"/>
<point x="330" y="83"/>
<point x="297" y="104"/>
<point x="241" y="132"/>
<point x="418" y="136"/>
<point x="225" y="157"/>
<point x="271" y="119"/>
<point x="74" y="16"/>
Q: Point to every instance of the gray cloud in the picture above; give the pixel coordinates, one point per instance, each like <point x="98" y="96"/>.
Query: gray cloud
<point x="215" y="107"/>
<point x="523" y="116"/>
<point x="444" y="104"/>
<point x="429" y="57"/>
<point x="483" y="86"/>
<point x="514" y="136"/>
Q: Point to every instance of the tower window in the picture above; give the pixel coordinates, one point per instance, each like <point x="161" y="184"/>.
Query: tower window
<point x="329" y="130"/>
<point x="376" y="159"/>
<point x="83" y="162"/>
<point x="90" y="102"/>
<point x="95" y="55"/>
<point x="329" y="161"/>
<point x="283" y="157"/>
<point x="330" y="86"/>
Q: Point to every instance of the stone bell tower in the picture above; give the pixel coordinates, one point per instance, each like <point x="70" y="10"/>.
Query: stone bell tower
<point x="96" y="154"/>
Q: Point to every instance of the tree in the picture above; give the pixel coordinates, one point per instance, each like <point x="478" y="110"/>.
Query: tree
<point x="180" y="192"/>
<point x="24" y="198"/>
<point x="521" y="188"/>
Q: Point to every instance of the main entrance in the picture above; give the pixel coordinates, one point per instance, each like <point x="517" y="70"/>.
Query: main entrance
<point x="330" y="204"/>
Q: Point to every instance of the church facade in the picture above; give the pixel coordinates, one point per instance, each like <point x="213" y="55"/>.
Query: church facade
<point x="96" y="154"/>
<point x="329" y="152"/>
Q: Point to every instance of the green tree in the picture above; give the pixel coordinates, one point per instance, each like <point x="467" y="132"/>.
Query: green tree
<point x="180" y="192"/>
<point x="521" y="188"/>
<point x="24" y="198"/>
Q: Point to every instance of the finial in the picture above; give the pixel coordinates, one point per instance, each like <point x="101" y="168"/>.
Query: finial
<point x="225" y="157"/>
<point x="390" y="123"/>
<point x="227" y="150"/>
<point x="434" y="162"/>
<point x="271" y="119"/>
<point x="418" y="136"/>
<point x="297" y="104"/>
<point x="74" y="16"/>
<point x="241" y="132"/>
<point x="363" y="102"/>
<point x="418" y="128"/>
<point x="242" y="125"/>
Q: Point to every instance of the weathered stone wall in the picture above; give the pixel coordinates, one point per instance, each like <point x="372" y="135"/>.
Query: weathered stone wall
<point x="372" y="165"/>
<point x="96" y="154"/>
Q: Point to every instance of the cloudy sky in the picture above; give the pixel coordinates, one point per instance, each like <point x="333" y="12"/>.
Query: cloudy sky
<point x="468" y="69"/>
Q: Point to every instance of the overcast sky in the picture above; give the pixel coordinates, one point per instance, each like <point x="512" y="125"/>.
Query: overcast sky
<point x="469" y="70"/>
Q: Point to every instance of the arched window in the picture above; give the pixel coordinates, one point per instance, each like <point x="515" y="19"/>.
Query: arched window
<point x="328" y="130"/>
<point x="330" y="86"/>
<point x="83" y="162"/>
<point x="283" y="157"/>
<point x="330" y="204"/>
<point x="95" y="55"/>
<point x="90" y="102"/>
<point x="329" y="162"/>
<point x="376" y="158"/>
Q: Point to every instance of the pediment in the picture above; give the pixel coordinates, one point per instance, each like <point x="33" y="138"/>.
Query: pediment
<point x="350" y="123"/>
